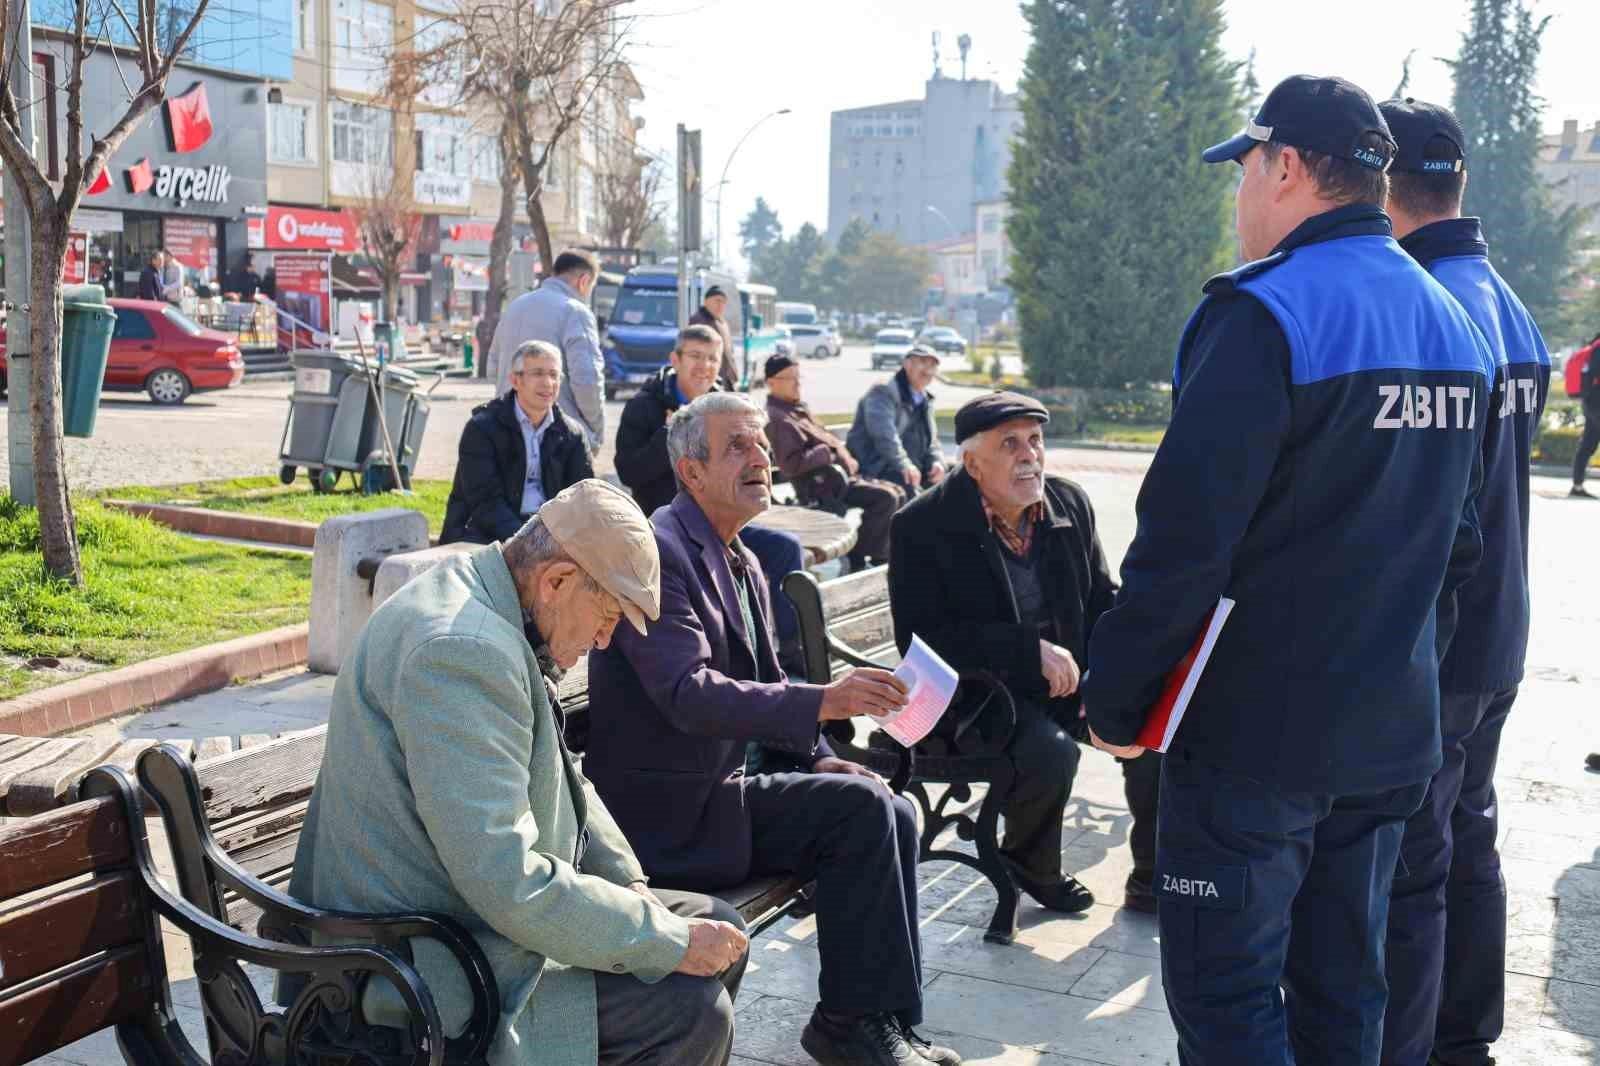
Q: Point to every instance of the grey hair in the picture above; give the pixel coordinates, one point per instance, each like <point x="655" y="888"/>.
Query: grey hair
<point x="686" y="432"/>
<point x="527" y="348"/>
<point x="533" y="546"/>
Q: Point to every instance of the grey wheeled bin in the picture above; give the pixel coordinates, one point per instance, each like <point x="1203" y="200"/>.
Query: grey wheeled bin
<point x="327" y="414"/>
<point x="399" y="386"/>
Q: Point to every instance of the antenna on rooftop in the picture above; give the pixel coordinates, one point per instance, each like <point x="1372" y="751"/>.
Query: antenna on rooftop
<point x="964" y="42"/>
<point x="937" y="73"/>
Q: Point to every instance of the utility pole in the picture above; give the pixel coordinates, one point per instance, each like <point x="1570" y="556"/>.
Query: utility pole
<point x="19" y="261"/>
<point x="690" y="185"/>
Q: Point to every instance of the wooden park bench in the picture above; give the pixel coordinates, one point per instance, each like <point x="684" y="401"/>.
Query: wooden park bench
<point x="81" y="951"/>
<point x="845" y="623"/>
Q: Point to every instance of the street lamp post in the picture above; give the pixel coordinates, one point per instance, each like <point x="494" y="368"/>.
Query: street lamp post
<point x="944" y="218"/>
<point x="724" y="179"/>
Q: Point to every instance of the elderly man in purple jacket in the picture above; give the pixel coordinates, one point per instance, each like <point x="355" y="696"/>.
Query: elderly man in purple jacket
<point x="712" y="763"/>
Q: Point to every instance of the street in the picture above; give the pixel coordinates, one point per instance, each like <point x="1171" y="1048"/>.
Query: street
<point x="236" y="433"/>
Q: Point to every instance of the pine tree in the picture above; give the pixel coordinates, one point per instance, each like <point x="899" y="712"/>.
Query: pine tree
<point x="1116" y="222"/>
<point x="759" y="229"/>
<point x="1532" y="243"/>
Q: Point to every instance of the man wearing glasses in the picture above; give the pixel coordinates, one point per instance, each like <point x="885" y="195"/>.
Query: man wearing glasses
<point x="517" y="451"/>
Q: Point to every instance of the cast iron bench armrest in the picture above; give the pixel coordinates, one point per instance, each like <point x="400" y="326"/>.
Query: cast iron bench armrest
<point x="338" y="974"/>
<point x="205" y="869"/>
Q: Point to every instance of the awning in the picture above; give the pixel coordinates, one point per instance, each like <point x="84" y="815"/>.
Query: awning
<point x="350" y="278"/>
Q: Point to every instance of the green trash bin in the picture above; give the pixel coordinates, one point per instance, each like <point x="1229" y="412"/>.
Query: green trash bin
<point x="86" y="325"/>
<point x="393" y="340"/>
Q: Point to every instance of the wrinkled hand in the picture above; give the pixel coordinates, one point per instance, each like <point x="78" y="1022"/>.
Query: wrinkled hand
<point x="713" y="947"/>
<point x="935" y="473"/>
<point x="1060" y="669"/>
<point x="830" y="764"/>
<point x="864" y="691"/>
<point x="912" y="476"/>
<point x="1121" y="751"/>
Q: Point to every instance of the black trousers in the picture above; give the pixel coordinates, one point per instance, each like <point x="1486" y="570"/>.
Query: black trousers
<point x="1046" y="761"/>
<point x="679" y="1020"/>
<point x="1590" y="439"/>
<point x="878" y="500"/>
<point x="1141" y="784"/>
<point x="860" y="843"/>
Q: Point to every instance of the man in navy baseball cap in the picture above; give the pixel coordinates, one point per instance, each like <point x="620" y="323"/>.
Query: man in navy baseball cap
<point x="1329" y="116"/>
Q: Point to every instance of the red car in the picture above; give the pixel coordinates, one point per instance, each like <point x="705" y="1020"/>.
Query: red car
<point x="158" y="349"/>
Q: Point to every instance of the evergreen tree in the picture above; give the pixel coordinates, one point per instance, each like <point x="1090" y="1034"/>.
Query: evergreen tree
<point x="1533" y="244"/>
<point x="759" y="230"/>
<point x="1116" y="222"/>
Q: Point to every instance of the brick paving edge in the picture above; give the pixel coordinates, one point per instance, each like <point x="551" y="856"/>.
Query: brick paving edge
<point x="223" y="523"/>
<point x="84" y="701"/>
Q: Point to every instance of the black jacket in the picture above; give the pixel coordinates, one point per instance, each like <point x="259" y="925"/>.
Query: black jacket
<point x="948" y="585"/>
<point x="486" y="498"/>
<point x="642" y="461"/>
<point x="728" y="374"/>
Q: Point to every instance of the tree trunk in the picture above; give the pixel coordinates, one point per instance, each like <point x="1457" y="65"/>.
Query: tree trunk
<point x="499" y="264"/>
<point x="532" y="187"/>
<point x="58" y="530"/>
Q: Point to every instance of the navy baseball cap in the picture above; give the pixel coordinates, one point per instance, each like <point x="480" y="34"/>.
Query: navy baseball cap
<point x="1326" y="115"/>
<point x="1430" y="139"/>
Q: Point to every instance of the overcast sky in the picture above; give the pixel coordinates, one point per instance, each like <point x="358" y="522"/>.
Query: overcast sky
<point x="720" y="65"/>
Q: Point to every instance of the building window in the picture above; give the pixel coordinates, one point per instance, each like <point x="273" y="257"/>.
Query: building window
<point x="442" y="145"/>
<point x="293" y="132"/>
<point x="363" y="33"/>
<point x="360" y="134"/>
<point x="486" y="165"/>
<point x="305" y="25"/>
<point x="991" y="223"/>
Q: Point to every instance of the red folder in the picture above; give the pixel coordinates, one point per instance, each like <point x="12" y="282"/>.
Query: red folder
<point x="1161" y="721"/>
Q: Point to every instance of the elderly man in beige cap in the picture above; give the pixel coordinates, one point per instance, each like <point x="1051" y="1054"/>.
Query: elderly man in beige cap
<point x="446" y="787"/>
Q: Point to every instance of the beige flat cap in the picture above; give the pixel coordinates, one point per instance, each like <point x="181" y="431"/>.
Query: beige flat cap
<point x="604" y="531"/>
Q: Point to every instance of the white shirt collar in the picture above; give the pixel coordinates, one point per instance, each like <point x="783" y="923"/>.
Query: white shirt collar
<point x="527" y="423"/>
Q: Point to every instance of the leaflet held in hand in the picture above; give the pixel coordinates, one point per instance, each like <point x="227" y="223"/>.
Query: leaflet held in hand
<point x="932" y="686"/>
<point x="1166" y="714"/>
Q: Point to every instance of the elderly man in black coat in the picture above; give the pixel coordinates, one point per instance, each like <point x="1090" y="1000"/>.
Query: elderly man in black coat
<point x="517" y="451"/>
<point x="999" y="568"/>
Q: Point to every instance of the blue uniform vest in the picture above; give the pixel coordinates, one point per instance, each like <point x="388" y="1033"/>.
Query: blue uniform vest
<point x="1490" y="643"/>
<point x="1325" y="678"/>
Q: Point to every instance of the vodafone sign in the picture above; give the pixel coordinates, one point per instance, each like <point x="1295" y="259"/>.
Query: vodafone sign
<point x="310" y="229"/>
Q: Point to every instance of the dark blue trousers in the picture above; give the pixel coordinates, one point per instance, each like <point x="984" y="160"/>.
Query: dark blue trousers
<point x="1260" y="890"/>
<point x="1447" y="917"/>
<point x="780" y="555"/>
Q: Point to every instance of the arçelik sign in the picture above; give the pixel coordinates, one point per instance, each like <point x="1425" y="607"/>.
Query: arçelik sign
<point x="188" y="123"/>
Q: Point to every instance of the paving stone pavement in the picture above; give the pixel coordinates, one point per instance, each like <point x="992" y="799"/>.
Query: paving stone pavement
<point x="1087" y="989"/>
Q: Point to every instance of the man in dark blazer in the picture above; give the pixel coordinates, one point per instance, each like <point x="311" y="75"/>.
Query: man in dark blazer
<point x="1024" y="613"/>
<point x="712" y="763"/>
<point x="517" y="451"/>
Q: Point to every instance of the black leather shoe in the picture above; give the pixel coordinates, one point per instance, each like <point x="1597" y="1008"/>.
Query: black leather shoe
<point x="1593" y="761"/>
<point x="1066" y="895"/>
<point x="870" y="1040"/>
<point x="1140" y="892"/>
<point x="932" y="1052"/>
<point x="1581" y="493"/>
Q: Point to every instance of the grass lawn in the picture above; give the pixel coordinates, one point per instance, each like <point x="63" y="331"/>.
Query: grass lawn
<point x="148" y="592"/>
<point x="266" y="497"/>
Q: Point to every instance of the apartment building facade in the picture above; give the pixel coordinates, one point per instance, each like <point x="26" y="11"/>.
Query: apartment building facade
<point x="1569" y="162"/>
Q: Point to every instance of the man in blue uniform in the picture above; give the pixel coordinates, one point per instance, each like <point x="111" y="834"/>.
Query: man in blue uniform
<point x="1318" y="469"/>
<point x="1446" y="953"/>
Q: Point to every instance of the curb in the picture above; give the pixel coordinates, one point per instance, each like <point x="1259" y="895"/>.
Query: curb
<point x="110" y="693"/>
<point x="223" y="523"/>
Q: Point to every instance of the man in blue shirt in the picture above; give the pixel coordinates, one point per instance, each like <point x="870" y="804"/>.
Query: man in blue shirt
<point x="1328" y="413"/>
<point x="1446" y="950"/>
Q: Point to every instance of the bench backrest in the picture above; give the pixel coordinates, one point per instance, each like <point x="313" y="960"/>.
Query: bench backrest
<point x="854" y="610"/>
<point x="80" y="946"/>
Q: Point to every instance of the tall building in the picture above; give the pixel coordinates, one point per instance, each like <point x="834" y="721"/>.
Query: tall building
<point x="1569" y="162"/>
<point x="919" y="168"/>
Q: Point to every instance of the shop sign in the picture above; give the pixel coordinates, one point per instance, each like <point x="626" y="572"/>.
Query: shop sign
<point x="469" y="273"/>
<point x="440" y="189"/>
<point x="75" y="269"/>
<point x="305" y="288"/>
<point x="255" y="232"/>
<point x="192" y="242"/>
<point x="93" y="221"/>
<point x="193" y="184"/>
<point x="295" y="227"/>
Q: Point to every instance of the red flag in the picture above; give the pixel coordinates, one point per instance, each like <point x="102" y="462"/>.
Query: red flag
<point x="101" y="183"/>
<point x="139" y="176"/>
<point x="189" y="119"/>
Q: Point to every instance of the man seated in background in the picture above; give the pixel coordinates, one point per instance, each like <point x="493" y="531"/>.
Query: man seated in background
<point x="517" y="451"/>
<point x="894" y="436"/>
<point x="711" y="312"/>
<point x="1000" y="569"/>
<point x="713" y="763"/>
<point x="445" y="786"/>
<point x="643" y="466"/>
<point x="821" y="468"/>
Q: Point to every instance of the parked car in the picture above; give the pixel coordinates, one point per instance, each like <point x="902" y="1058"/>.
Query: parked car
<point x="818" y="341"/>
<point x="889" y="348"/>
<point x="944" y="340"/>
<point x="156" y="348"/>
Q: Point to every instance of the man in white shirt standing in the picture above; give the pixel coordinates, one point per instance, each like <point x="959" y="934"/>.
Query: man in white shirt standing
<point x="558" y="313"/>
<point x="517" y="451"/>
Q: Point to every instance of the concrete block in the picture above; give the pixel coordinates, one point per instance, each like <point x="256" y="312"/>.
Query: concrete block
<point x="341" y="600"/>
<point x="396" y="570"/>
